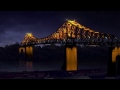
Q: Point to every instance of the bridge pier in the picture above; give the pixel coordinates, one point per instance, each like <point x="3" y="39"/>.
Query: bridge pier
<point x="113" y="68"/>
<point x="26" y="50"/>
<point x="118" y="65"/>
<point x="70" y="62"/>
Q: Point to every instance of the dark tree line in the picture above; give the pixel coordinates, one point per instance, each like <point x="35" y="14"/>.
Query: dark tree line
<point x="52" y="53"/>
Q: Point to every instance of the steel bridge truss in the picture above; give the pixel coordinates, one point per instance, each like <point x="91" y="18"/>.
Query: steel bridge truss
<point x="72" y="32"/>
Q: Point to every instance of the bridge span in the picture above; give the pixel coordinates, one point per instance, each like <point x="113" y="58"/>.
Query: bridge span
<point x="72" y="34"/>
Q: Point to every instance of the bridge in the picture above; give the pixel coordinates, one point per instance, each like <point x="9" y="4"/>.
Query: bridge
<point x="72" y="34"/>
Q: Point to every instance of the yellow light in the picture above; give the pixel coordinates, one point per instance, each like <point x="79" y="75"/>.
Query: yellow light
<point x="73" y="22"/>
<point x="29" y="34"/>
<point x="20" y="50"/>
<point x="115" y="53"/>
<point x="96" y="32"/>
<point x="91" y="30"/>
<point x="79" y="25"/>
<point x="29" y="50"/>
<point x="71" y="59"/>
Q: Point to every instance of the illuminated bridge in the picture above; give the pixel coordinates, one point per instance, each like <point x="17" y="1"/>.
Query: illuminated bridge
<point x="71" y="34"/>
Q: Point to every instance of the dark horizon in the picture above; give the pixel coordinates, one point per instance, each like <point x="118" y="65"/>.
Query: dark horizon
<point x="15" y="24"/>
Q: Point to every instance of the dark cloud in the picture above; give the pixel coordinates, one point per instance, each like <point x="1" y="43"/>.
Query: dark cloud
<point x="15" y="24"/>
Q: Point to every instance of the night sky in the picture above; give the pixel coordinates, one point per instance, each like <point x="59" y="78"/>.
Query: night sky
<point x="15" y="24"/>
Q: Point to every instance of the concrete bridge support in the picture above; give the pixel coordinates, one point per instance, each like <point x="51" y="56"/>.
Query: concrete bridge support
<point x="113" y="67"/>
<point x="26" y="50"/>
<point x="70" y="62"/>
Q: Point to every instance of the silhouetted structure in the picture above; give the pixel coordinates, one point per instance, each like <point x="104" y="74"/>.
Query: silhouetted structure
<point x="70" y="34"/>
<point x="118" y="64"/>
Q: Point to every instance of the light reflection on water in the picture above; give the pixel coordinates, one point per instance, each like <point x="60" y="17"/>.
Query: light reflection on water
<point x="40" y="65"/>
<point x="26" y="65"/>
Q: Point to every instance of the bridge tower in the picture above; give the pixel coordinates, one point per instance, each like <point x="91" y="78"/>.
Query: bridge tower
<point x="114" y="53"/>
<point x="70" y="62"/>
<point x="27" y="46"/>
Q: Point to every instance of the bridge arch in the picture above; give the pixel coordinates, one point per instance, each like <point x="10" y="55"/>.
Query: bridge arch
<point x="27" y="50"/>
<point x="21" y="50"/>
<point x="115" y="53"/>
